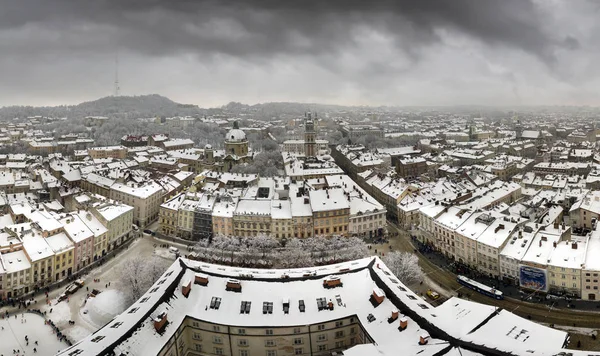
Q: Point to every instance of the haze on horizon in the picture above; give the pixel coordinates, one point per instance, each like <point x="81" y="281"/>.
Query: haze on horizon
<point x="406" y="53"/>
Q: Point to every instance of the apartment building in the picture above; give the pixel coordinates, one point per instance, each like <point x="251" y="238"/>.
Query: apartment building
<point x="214" y="311"/>
<point x="331" y="211"/>
<point x="117" y="218"/>
<point x="145" y="198"/>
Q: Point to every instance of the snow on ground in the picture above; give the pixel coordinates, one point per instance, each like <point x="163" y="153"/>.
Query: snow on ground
<point x="104" y="307"/>
<point x="12" y="336"/>
<point x="164" y="253"/>
<point x="60" y="314"/>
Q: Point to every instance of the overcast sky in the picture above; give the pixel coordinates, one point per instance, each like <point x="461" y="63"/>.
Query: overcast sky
<point x="396" y="52"/>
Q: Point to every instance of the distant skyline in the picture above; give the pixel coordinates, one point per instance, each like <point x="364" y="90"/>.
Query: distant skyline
<point x="210" y="52"/>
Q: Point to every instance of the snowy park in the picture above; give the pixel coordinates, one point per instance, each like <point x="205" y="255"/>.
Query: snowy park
<point x="41" y="339"/>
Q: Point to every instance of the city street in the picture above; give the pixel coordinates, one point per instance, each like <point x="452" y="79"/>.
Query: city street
<point x="439" y="278"/>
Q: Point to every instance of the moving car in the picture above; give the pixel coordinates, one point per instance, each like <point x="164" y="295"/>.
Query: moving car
<point x="433" y="294"/>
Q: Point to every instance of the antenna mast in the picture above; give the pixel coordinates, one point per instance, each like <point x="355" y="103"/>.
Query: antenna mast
<point x="117" y="87"/>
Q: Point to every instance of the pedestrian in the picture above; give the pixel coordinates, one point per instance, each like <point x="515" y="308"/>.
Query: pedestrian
<point x="109" y="284"/>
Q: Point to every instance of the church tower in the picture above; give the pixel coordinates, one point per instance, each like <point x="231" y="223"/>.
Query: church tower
<point x="310" y="135"/>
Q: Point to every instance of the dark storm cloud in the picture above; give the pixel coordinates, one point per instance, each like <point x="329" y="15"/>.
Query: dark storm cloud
<point x="380" y="52"/>
<point x="271" y="27"/>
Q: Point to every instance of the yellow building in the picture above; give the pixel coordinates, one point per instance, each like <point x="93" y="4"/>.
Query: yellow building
<point x="117" y="152"/>
<point x="331" y="212"/>
<point x="62" y="247"/>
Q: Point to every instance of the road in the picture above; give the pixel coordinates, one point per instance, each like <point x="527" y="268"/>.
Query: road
<point x="445" y="279"/>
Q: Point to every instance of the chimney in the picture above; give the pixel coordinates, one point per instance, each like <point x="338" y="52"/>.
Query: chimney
<point x="574" y="245"/>
<point x="160" y="322"/>
<point x="403" y="323"/>
<point x="377" y="297"/>
<point x="186" y="287"/>
<point x="554" y="244"/>
<point x="424" y="338"/>
<point x="394" y="314"/>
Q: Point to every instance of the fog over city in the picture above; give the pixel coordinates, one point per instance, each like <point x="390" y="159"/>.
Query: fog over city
<point x="511" y="52"/>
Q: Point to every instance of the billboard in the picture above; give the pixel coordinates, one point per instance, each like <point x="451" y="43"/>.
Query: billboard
<point x="533" y="278"/>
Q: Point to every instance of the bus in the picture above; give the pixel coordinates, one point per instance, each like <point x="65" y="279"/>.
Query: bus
<point x="480" y="287"/>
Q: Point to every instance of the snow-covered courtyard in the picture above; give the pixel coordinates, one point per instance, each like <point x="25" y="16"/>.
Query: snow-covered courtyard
<point x="13" y="332"/>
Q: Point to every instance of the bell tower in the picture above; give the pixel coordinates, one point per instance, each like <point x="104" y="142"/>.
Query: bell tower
<point x="310" y="134"/>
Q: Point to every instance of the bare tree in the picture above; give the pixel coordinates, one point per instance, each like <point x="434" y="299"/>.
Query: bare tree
<point x="405" y="266"/>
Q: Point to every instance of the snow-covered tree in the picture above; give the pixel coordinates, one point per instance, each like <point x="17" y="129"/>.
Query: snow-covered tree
<point x="263" y="243"/>
<point x="137" y="274"/>
<point x="294" y="255"/>
<point x="355" y="248"/>
<point x="405" y="266"/>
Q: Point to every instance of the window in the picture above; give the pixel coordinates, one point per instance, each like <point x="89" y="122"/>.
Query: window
<point x="321" y="327"/>
<point x="269" y="343"/>
<point x="218" y="351"/>
<point x="217" y="340"/>
<point x="322" y="337"/>
<point x="339" y="344"/>
<point x="244" y="353"/>
<point x="271" y="353"/>
<point x="297" y="331"/>
<point x="339" y="334"/>
<point x="242" y="331"/>
<point x="198" y="347"/>
<point x="298" y="341"/>
<point x="298" y="351"/>
<point x="322" y="347"/>
<point x="352" y="330"/>
<point x="269" y="331"/>
<point x="339" y="323"/>
<point x="242" y="342"/>
<point x="216" y="328"/>
<point x="197" y="336"/>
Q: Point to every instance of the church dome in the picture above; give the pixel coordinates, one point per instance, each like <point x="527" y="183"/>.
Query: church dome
<point x="236" y="135"/>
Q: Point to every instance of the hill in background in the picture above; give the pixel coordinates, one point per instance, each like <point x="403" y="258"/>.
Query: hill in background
<point x="111" y="106"/>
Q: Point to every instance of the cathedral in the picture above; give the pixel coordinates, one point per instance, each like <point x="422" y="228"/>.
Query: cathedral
<point x="236" y="151"/>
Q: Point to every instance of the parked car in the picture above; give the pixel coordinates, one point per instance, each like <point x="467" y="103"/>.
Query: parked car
<point x="72" y="288"/>
<point x="149" y="232"/>
<point x="80" y="282"/>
